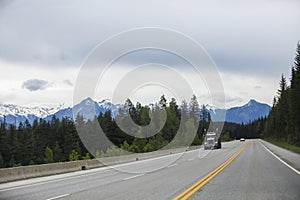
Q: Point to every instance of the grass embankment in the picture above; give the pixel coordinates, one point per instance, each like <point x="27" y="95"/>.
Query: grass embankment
<point x="284" y="145"/>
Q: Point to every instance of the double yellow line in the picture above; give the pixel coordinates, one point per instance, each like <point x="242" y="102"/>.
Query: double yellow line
<point x="195" y="187"/>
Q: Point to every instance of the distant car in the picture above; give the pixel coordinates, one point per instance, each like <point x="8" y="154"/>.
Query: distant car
<point x="242" y="139"/>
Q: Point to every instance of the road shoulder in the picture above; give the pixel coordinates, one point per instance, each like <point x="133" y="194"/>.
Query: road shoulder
<point x="291" y="158"/>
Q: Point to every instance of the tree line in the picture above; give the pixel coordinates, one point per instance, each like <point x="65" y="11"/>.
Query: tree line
<point x="251" y="130"/>
<point x="283" y="122"/>
<point x="58" y="140"/>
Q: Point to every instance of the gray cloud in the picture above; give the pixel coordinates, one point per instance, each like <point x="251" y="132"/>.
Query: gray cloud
<point x="4" y="3"/>
<point x="257" y="87"/>
<point x="234" y="99"/>
<point x="68" y="82"/>
<point x="35" y="84"/>
<point x="240" y="36"/>
<point x="254" y="38"/>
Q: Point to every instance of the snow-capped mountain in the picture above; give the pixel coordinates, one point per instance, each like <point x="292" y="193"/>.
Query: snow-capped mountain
<point x="240" y="114"/>
<point x="217" y="114"/>
<point x="248" y="112"/>
<point x="90" y="108"/>
<point x="107" y="105"/>
<point x="15" y="114"/>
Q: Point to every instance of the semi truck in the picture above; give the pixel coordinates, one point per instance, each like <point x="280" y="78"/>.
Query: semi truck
<point x="212" y="140"/>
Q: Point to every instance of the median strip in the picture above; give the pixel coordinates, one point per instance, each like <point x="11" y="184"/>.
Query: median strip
<point x="195" y="187"/>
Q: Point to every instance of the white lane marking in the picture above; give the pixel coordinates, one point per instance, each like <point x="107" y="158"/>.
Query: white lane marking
<point x="131" y="177"/>
<point x="101" y="169"/>
<point x="97" y="170"/>
<point x="289" y="166"/>
<point x="50" y="181"/>
<point x="172" y="165"/>
<point x="203" y="153"/>
<point x="86" y="173"/>
<point x="157" y="158"/>
<point x="61" y="196"/>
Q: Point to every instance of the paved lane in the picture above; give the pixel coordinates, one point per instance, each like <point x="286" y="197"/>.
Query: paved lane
<point x="254" y="174"/>
<point x="127" y="181"/>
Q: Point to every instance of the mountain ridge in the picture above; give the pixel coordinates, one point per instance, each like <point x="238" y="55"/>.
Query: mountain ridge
<point x="241" y="114"/>
<point x="89" y="108"/>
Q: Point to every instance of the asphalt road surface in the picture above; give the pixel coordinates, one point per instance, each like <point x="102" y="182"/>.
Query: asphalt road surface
<point x="255" y="173"/>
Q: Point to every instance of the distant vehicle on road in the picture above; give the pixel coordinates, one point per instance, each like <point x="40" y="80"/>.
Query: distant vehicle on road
<point x="242" y="139"/>
<point x="212" y="141"/>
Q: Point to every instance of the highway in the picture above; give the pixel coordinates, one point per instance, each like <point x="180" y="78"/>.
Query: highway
<point x="243" y="170"/>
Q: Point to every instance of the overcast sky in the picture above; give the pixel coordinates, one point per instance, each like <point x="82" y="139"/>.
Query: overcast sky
<point x="44" y="43"/>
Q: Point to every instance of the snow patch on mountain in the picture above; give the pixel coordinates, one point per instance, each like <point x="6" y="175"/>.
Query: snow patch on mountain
<point x="248" y="112"/>
<point x="89" y="108"/>
<point x="14" y="114"/>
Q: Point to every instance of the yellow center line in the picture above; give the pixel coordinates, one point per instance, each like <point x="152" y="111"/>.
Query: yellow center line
<point x="195" y="187"/>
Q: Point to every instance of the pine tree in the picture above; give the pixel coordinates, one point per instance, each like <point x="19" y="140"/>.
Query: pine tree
<point x="125" y="146"/>
<point x="158" y="118"/>
<point x="58" y="153"/>
<point x="296" y="96"/>
<point x="48" y="155"/>
<point x="282" y="110"/>
<point x="13" y="144"/>
<point x="173" y="121"/>
<point x="73" y="155"/>
<point x="1" y="161"/>
<point x="163" y="101"/>
<point x="184" y="116"/>
<point x="86" y="157"/>
<point x="5" y="148"/>
<point x="282" y="87"/>
<point x="194" y="106"/>
<point x="283" y="122"/>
